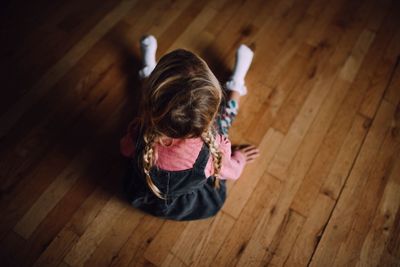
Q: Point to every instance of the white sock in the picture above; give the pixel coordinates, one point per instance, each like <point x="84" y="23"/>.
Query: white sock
<point x="244" y="56"/>
<point x="148" y="47"/>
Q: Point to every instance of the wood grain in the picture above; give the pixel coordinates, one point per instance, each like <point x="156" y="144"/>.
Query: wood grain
<point x="323" y="106"/>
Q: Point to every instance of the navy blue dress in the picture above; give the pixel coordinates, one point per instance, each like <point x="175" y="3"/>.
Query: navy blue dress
<point x="190" y="195"/>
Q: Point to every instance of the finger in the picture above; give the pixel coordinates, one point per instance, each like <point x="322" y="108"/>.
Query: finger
<point x="254" y="155"/>
<point x="250" y="160"/>
<point x="252" y="152"/>
<point x="247" y="146"/>
<point x="250" y="148"/>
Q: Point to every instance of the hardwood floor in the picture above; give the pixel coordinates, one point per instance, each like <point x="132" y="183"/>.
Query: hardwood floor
<point x="323" y="106"/>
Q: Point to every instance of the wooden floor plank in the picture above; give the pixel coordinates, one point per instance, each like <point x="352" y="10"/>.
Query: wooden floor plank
<point x="292" y="104"/>
<point x="280" y="52"/>
<point x="354" y="61"/>
<point x="309" y="234"/>
<point x="159" y="248"/>
<point x="8" y="244"/>
<point x="343" y="118"/>
<point x="49" y="199"/>
<point x="320" y="172"/>
<point x="391" y="252"/>
<point x="60" y="69"/>
<point x="187" y="39"/>
<point x="331" y="165"/>
<point x="214" y="240"/>
<point x="383" y="222"/>
<point x="131" y="254"/>
<point x="262" y="202"/>
<point x="317" y="132"/>
<point x="76" y="88"/>
<point x="37" y="36"/>
<point x="95" y="233"/>
<point x="75" y="228"/>
<point x="342" y="218"/>
<point x="263" y="235"/>
<point x="243" y="188"/>
<point x="392" y="95"/>
<point x="101" y="138"/>
<point x="374" y="96"/>
<point x="172" y="261"/>
<point x="284" y="156"/>
<point x="281" y="245"/>
<point x="55" y="221"/>
<point x="356" y="20"/>
<point x="116" y="237"/>
<point x="371" y="195"/>
<point x="338" y="129"/>
<point x="191" y="241"/>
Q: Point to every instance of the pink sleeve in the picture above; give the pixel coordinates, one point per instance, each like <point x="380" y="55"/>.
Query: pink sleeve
<point x="127" y="143"/>
<point x="232" y="163"/>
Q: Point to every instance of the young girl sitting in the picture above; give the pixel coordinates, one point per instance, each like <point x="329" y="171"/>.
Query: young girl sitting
<point x="179" y="147"/>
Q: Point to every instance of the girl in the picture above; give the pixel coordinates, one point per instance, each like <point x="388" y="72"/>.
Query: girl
<point x="179" y="147"/>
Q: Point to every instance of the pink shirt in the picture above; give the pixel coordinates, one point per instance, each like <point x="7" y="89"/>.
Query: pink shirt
<point x="182" y="154"/>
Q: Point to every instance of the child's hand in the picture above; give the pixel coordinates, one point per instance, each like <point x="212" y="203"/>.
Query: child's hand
<point x="250" y="152"/>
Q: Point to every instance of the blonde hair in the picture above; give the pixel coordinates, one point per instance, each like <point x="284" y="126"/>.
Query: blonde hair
<point x="181" y="100"/>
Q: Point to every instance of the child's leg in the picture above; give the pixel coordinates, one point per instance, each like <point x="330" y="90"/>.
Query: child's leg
<point x="235" y="96"/>
<point x="148" y="47"/>
<point x="228" y="113"/>
<point x="236" y="85"/>
<point x="244" y="56"/>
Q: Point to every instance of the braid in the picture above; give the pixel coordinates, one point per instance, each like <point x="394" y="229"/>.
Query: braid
<point x="209" y="139"/>
<point x="148" y="161"/>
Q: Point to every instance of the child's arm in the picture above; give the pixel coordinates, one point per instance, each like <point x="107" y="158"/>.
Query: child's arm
<point x="232" y="163"/>
<point x="127" y="142"/>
